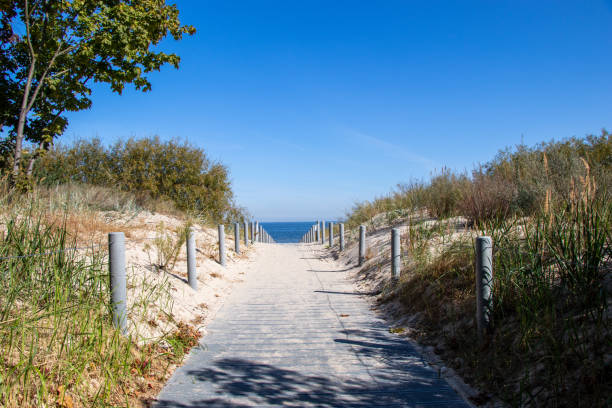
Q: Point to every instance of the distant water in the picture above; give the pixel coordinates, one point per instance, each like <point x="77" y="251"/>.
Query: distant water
<point x="287" y="232"/>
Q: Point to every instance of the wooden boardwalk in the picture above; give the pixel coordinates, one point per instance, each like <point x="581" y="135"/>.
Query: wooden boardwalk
<point x="295" y="333"/>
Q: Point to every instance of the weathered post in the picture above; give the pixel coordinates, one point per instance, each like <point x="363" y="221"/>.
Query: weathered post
<point x="395" y="253"/>
<point x="323" y="232"/>
<point x="118" y="287"/>
<point x="237" y="237"/>
<point x="246" y="234"/>
<point x="341" y="236"/>
<point x="222" y="244"/>
<point x="192" y="274"/>
<point x="316" y="235"/>
<point x="362" y="243"/>
<point x="331" y="234"/>
<point x="484" y="284"/>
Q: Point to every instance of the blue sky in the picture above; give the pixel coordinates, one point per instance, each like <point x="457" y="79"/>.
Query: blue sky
<point x="314" y="105"/>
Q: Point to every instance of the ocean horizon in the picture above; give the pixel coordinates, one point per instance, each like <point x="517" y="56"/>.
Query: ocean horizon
<point x="287" y="232"/>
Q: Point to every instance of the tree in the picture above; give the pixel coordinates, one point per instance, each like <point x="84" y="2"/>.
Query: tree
<point x="64" y="46"/>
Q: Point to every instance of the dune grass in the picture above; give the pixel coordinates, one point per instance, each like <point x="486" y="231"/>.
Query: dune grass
<point x="551" y="225"/>
<point x="58" y="346"/>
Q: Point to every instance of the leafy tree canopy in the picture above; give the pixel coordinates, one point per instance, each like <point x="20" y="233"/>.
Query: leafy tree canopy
<point x="52" y="50"/>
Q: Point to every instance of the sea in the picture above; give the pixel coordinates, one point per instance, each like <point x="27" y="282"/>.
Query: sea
<point x="287" y="232"/>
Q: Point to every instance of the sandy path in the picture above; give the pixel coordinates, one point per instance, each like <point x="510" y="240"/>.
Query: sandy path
<point x="296" y="333"/>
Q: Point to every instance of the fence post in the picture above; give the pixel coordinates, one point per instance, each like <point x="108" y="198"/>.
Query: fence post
<point x="323" y="232"/>
<point x="341" y="236"/>
<point x="118" y="287"/>
<point x="395" y="253"/>
<point x="331" y="234"/>
<point x="192" y="274"/>
<point x="484" y="284"/>
<point x="316" y="234"/>
<point x="221" y="244"/>
<point x="362" y="243"/>
<point x="237" y="237"/>
<point x="246" y="234"/>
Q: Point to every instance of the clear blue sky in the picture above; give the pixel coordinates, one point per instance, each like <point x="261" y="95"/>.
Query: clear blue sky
<point x="315" y="105"/>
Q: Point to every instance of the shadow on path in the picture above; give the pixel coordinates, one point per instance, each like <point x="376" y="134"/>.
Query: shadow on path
<point x="241" y="383"/>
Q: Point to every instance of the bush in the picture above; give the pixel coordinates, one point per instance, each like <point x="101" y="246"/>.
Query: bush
<point x="487" y="198"/>
<point x="168" y="170"/>
<point x="444" y="193"/>
<point x="546" y="169"/>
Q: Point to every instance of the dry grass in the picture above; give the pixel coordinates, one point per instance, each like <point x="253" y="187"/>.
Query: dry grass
<point x="57" y="343"/>
<point x="553" y="327"/>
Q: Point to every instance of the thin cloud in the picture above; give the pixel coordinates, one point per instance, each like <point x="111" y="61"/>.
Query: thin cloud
<point x="281" y="142"/>
<point x="390" y="149"/>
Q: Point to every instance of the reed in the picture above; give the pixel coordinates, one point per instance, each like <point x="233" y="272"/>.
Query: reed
<point x="56" y="336"/>
<point x="58" y="346"/>
<point x="548" y="212"/>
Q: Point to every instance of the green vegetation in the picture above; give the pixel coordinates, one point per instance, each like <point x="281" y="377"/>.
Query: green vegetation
<point x="148" y="168"/>
<point x="548" y="211"/>
<point x="166" y="246"/>
<point x="55" y="329"/>
<point x="58" y="346"/>
<point x="52" y="51"/>
<point x="516" y="182"/>
<point x="53" y="325"/>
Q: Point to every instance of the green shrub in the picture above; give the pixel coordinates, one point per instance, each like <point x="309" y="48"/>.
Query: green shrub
<point x="168" y="170"/>
<point x="444" y="193"/>
<point x="487" y="198"/>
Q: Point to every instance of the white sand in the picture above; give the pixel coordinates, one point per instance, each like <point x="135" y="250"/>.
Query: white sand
<point x="159" y="299"/>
